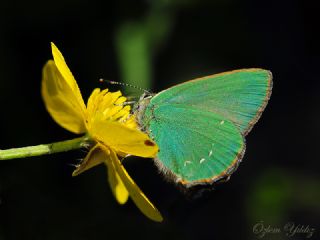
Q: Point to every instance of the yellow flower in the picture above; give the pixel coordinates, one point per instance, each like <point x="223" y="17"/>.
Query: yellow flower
<point x="106" y="121"/>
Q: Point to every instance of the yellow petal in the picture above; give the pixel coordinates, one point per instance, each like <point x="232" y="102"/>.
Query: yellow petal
<point x="96" y="156"/>
<point x="66" y="74"/>
<point x="121" y="138"/>
<point x="142" y="202"/>
<point x="93" y="158"/>
<point x="60" y="100"/>
<point x="118" y="189"/>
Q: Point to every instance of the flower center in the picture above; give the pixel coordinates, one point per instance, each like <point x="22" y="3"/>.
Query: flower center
<point x="109" y="106"/>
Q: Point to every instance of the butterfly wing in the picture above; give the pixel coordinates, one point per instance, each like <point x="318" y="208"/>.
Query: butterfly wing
<point x="199" y="125"/>
<point x="195" y="146"/>
<point x="239" y="96"/>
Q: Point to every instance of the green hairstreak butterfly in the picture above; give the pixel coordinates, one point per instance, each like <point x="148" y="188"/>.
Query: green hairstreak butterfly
<point x="200" y="125"/>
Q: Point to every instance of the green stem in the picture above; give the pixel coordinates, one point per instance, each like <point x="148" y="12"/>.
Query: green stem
<point x="44" y="149"/>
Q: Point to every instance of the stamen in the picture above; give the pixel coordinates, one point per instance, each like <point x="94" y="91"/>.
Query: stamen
<point x="74" y="165"/>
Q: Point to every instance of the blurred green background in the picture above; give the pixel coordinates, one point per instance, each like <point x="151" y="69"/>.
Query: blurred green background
<point x="154" y="45"/>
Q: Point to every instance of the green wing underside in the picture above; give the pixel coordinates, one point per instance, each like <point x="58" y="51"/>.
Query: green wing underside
<point x="239" y="96"/>
<point x="196" y="146"/>
<point x="200" y="125"/>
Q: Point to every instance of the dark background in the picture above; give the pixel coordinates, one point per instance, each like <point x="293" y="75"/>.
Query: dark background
<point x="278" y="180"/>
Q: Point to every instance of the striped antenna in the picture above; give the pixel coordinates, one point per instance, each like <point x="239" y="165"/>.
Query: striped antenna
<point x="123" y="84"/>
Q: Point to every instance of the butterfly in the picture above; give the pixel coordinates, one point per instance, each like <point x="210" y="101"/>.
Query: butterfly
<point x="200" y="125"/>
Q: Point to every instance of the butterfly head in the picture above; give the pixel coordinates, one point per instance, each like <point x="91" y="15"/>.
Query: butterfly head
<point x="140" y="107"/>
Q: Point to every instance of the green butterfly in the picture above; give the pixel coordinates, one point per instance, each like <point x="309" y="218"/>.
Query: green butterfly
<point x="200" y="125"/>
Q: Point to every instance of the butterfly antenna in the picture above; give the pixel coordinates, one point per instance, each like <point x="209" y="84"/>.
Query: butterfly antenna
<point x="124" y="84"/>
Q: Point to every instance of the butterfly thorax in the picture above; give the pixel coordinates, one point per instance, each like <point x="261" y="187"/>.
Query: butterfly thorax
<point x="143" y="117"/>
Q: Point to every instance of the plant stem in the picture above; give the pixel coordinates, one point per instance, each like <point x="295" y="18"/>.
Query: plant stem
<point x="44" y="149"/>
